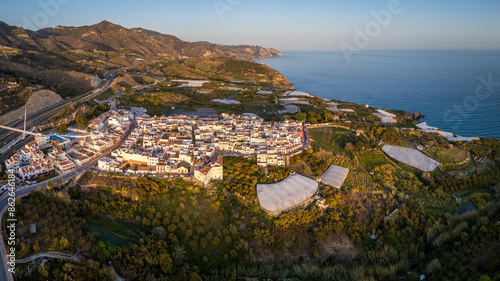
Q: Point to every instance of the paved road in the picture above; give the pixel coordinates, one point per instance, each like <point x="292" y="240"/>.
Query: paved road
<point x="17" y="147"/>
<point x="41" y="116"/>
<point x="53" y="255"/>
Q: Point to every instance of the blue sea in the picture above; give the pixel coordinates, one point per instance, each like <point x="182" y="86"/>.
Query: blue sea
<point x="458" y="91"/>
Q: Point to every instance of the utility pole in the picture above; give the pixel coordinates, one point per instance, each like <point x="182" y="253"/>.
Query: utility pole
<point x="24" y="134"/>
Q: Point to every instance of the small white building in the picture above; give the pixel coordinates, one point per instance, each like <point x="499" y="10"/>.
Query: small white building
<point x="104" y="164"/>
<point x="213" y="170"/>
<point x="65" y="166"/>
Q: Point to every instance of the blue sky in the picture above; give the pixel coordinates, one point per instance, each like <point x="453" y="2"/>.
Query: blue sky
<point x="292" y="25"/>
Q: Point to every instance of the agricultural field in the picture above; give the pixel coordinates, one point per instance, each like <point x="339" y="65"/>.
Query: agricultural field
<point x="357" y="179"/>
<point x="451" y="156"/>
<point x="370" y="159"/>
<point x="331" y="138"/>
<point x="268" y="111"/>
<point x="438" y="203"/>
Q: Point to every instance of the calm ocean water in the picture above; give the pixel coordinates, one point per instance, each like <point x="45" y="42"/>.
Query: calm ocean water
<point x="441" y="84"/>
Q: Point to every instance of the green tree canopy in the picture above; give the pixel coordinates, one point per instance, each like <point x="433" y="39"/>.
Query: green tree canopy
<point x="63" y="128"/>
<point x="299" y="116"/>
<point x="81" y="121"/>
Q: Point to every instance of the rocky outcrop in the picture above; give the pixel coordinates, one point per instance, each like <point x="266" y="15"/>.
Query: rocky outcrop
<point x="38" y="101"/>
<point x="414" y="116"/>
<point x="95" y="81"/>
<point x="281" y="82"/>
<point x="417" y="115"/>
<point x="245" y="52"/>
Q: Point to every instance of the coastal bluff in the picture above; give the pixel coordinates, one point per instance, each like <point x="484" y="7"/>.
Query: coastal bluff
<point x="38" y="101"/>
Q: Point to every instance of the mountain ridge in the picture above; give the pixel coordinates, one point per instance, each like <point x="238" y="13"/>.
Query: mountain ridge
<point x="107" y="36"/>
